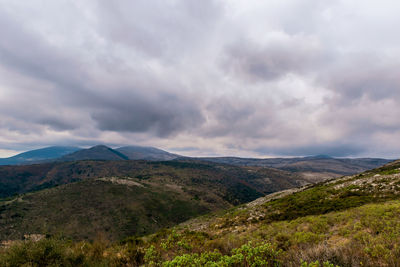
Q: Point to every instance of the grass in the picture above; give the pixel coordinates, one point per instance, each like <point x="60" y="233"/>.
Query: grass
<point x="85" y="209"/>
<point x="82" y="200"/>
<point x="365" y="236"/>
<point x="354" y="221"/>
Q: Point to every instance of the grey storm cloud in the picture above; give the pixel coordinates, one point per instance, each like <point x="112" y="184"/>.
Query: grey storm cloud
<point x="30" y="54"/>
<point x="336" y="149"/>
<point x="163" y="115"/>
<point x="254" y="78"/>
<point x="160" y="29"/>
<point x="279" y="55"/>
<point x="364" y="75"/>
<point x="139" y="108"/>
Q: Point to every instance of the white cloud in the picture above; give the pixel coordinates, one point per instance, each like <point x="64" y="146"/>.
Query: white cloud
<point x="233" y="77"/>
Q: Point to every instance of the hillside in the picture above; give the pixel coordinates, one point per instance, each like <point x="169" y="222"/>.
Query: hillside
<point x="28" y="178"/>
<point x="353" y="221"/>
<point x="311" y="169"/>
<point x="121" y="198"/>
<point x="38" y="155"/>
<point x="112" y="207"/>
<point x="316" y="168"/>
<point x="146" y="153"/>
<point x="99" y="152"/>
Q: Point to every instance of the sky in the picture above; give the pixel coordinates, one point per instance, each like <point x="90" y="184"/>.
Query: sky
<point x="243" y="78"/>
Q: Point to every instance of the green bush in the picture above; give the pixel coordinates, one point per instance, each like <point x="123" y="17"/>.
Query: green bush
<point x="317" y="264"/>
<point x="46" y="252"/>
<point x="247" y="255"/>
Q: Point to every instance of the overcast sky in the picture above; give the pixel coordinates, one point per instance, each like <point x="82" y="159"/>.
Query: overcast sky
<point x="209" y="77"/>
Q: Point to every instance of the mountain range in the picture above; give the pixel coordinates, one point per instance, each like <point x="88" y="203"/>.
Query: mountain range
<point x="218" y="214"/>
<point x="39" y="155"/>
<point x="81" y="199"/>
<point x="141" y="189"/>
<point x="312" y="169"/>
<point x="99" y="152"/>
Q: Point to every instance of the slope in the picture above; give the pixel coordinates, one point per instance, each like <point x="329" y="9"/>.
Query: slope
<point x="28" y="178"/>
<point x="100" y="196"/>
<point x="146" y="153"/>
<point x="353" y="221"/>
<point x="38" y="155"/>
<point x="99" y="152"/>
<point x="315" y="169"/>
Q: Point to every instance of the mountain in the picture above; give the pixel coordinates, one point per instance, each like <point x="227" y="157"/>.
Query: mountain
<point x="99" y="152"/>
<point x="102" y="152"/>
<point x="39" y="155"/>
<point x="351" y="221"/>
<point x="315" y="168"/>
<point x="146" y="153"/>
<point x="312" y="169"/>
<point x="28" y="178"/>
<point x="120" y="198"/>
<point x="318" y="157"/>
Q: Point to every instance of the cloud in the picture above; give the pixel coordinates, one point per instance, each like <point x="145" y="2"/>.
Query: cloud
<point x="67" y="94"/>
<point x="162" y="29"/>
<point x="279" y="55"/>
<point x="163" y="115"/>
<point x="337" y="149"/>
<point x="244" y="78"/>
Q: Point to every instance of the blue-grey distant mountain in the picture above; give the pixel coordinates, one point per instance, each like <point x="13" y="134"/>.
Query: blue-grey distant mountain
<point x="314" y="168"/>
<point x="99" y="152"/>
<point x="319" y="157"/>
<point x="146" y="153"/>
<point x="39" y="155"/>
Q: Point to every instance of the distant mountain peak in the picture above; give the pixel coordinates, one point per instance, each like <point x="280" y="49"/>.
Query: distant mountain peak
<point x="146" y="153"/>
<point x="98" y="146"/>
<point x="99" y="152"/>
<point x="319" y="157"/>
<point x="39" y="155"/>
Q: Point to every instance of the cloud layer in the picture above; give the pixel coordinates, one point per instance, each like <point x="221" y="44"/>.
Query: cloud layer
<point x="215" y="77"/>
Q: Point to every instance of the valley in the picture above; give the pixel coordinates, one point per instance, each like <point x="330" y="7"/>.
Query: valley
<point x="199" y="212"/>
<point x="82" y="199"/>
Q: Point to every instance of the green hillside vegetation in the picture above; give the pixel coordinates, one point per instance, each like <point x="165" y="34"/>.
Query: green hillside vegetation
<point x="316" y="168"/>
<point x="117" y="199"/>
<point x="353" y="221"/>
<point x="112" y="207"/>
<point x="22" y="179"/>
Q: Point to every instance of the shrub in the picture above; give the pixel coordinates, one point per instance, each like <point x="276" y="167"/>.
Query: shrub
<point x="317" y="264"/>
<point x="247" y="255"/>
<point x="46" y="252"/>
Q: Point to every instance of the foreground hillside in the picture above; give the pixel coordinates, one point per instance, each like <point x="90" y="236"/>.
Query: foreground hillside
<point x="117" y="199"/>
<point x="353" y="221"/>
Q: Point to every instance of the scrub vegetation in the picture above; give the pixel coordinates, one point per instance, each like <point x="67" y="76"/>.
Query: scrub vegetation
<point x="352" y="221"/>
